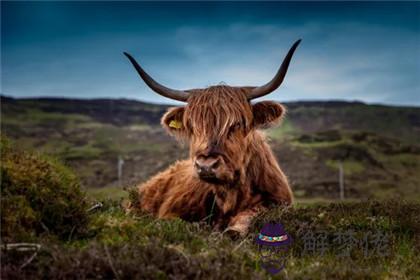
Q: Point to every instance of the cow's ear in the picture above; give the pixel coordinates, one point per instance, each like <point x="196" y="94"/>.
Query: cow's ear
<point x="267" y="113"/>
<point x="172" y="121"/>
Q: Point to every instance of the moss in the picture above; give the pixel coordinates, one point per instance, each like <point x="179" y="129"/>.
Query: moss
<point x="38" y="195"/>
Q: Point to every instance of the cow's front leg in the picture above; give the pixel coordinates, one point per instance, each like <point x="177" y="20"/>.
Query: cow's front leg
<point x="239" y="224"/>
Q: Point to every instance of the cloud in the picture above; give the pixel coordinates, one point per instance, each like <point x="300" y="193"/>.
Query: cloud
<point x="338" y="59"/>
<point x="347" y="61"/>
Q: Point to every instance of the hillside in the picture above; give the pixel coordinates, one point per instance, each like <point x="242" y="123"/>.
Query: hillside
<point x="377" y="144"/>
<point x="307" y="117"/>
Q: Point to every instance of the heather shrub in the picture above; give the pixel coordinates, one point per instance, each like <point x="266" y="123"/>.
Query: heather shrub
<point x="38" y="196"/>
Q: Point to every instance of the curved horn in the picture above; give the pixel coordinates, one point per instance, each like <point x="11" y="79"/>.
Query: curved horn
<point x="278" y="78"/>
<point x="158" y="88"/>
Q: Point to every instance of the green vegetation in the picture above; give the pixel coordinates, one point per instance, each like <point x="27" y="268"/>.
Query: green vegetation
<point x="43" y="203"/>
<point x="389" y="121"/>
<point x="349" y="166"/>
<point x="90" y="136"/>
<point x="374" y="166"/>
<point x="376" y="144"/>
<point x="38" y="195"/>
<point x="109" y="192"/>
<point x="137" y="245"/>
<point x="286" y="129"/>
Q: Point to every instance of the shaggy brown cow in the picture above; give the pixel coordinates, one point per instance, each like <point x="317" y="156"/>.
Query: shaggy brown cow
<point x="232" y="174"/>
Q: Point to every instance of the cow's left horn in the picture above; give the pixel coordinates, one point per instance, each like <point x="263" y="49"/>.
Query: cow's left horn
<point x="158" y="88"/>
<point x="278" y="78"/>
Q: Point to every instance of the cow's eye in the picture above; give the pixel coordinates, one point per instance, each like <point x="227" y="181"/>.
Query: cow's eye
<point x="234" y="128"/>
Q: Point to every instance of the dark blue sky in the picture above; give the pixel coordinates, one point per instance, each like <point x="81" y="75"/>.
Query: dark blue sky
<point x="350" y="50"/>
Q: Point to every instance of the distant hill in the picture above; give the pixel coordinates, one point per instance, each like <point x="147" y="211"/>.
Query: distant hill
<point x="392" y="121"/>
<point x="113" y="111"/>
<point x="377" y="145"/>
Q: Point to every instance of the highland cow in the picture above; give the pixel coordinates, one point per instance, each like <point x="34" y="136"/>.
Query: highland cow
<point x="232" y="174"/>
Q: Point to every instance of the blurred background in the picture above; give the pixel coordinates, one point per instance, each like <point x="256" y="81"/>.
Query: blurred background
<point x="352" y="91"/>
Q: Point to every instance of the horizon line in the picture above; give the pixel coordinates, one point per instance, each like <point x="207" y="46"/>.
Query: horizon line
<point x="355" y="101"/>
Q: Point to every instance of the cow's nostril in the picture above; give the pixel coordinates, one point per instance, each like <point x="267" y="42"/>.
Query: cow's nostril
<point x="215" y="164"/>
<point x="200" y="169"/>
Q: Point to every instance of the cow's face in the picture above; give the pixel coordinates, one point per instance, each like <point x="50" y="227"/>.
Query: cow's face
<point x="219" y="123"/>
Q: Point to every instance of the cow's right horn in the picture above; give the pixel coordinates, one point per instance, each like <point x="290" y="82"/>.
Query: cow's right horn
<point x="158" y="88"/>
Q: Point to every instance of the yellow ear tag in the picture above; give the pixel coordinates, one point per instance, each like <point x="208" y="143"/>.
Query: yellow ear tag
<point x="175" y="124"/>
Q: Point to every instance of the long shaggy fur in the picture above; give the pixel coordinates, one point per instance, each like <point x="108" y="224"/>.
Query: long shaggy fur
<point x="220" y="118"/>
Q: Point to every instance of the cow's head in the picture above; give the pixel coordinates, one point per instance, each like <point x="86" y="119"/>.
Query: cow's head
<point x="219" y="122"/>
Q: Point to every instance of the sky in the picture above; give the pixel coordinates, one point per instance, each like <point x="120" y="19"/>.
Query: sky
<point x="366" y="51"/>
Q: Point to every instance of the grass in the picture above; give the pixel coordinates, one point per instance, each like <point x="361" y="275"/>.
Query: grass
<point x="124" y="246"/>
<point x="81" y="152"/>
<point x="136" y="245"/>
<point x="107" y="193"/>
<point x="90" y="139"/>
<point x="374" y="166"/>
<point x="313" y="145"/>
<point x="285" y="129"/>
<point x="115" y="244"/>
<point x="383" y="120"/>
<point x="349" y="166"/>
<point x="317" y="201"/>
<point x="33" y="117"/>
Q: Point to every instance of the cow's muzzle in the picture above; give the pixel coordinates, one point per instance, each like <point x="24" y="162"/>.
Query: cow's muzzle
<point x="207" y="168"/>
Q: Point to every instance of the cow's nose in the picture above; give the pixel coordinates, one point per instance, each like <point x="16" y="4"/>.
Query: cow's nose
<point x="206" y="166"/>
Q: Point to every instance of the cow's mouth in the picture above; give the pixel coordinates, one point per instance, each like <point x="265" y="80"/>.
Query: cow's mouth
<point x="220" y="179"/>
<point x="211" y="179"/>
